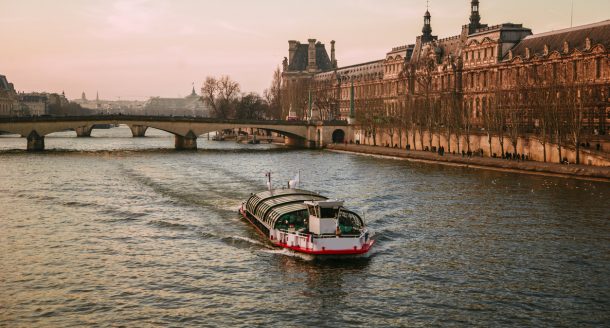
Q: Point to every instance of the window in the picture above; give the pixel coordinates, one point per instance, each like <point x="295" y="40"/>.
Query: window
<point x="598" y="68"/>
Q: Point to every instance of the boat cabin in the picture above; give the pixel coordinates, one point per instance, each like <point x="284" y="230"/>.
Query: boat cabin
<point x="330" y="217"/>
<point x="302" y="211"/>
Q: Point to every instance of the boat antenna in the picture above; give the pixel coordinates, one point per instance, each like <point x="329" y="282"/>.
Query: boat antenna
<point x="268" y="175"/>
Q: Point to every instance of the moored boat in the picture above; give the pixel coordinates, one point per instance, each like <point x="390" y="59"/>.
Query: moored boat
<point x="307" y="222"/>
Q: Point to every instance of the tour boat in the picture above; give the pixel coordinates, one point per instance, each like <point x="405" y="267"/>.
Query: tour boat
<point x="307" y="222"/>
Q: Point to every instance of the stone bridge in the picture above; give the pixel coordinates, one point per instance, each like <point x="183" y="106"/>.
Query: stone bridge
<point x="307" y="134"/>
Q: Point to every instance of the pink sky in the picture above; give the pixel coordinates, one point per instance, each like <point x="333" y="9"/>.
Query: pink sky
<point x="134" y="49"/>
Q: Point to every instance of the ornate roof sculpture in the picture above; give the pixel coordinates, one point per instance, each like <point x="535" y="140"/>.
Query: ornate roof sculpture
<point x="574" y="38"/>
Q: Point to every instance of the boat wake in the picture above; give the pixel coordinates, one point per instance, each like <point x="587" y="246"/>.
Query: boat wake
<point x="290" y="253"/>
<point x="240" y="239"/>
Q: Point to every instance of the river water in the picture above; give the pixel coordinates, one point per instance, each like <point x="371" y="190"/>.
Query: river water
<point x="121" y="231"/>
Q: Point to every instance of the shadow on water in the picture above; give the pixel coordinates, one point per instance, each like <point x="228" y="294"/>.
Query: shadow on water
<point x="156" y="150"/>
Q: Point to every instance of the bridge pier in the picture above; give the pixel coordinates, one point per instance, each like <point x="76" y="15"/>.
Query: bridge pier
<point x="84" y="131"/>
<point x="35" y="141"/>
<point x="138" y="131"/>
<point x="188" y="142"/>
<point x="295" y="142"/>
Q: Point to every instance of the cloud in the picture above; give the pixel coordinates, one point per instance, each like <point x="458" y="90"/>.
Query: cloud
<point x="133" y="17"/>
<point x="237" y="29"/>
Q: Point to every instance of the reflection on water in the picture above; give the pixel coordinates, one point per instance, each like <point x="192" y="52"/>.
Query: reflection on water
<point x="127" y="232"/>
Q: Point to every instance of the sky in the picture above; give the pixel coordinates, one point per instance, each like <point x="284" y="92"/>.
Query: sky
<point x="134" y="49"/>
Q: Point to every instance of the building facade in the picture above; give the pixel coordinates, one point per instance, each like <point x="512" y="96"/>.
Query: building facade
<point x="191" y="105"/>
<point x="495" y="80"/>
<point x="8" y="98"/>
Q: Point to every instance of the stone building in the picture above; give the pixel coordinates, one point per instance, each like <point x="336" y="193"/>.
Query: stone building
<point x="454" y="85"/>
<point x="191" y="105"/>
<point x="8" y="98"/>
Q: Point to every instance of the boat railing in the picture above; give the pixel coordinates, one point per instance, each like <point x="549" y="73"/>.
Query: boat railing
<point x="336" y="236"/>
<point x="300" y="234"/>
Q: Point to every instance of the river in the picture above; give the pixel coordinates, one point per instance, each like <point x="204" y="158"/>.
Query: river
<point x="120" y="231"/>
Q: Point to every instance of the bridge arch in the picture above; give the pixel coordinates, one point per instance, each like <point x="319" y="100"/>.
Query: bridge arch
<point x="185" y="129"/>
<point x="338" y="136"/>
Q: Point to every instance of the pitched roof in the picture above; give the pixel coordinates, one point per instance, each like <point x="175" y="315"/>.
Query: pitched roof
<point x="575" y="36"/>
<point x="301" y="58"/>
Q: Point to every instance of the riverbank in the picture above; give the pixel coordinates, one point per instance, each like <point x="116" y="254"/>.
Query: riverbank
<point x="528" y="167"/>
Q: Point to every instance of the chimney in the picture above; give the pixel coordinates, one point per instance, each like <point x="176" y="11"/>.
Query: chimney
<point x="333" y="60"/>
<point x="292" y="49"/>
<point x="312" y="55"/>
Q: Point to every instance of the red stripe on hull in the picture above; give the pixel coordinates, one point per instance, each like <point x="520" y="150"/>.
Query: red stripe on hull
<point x="329" y="252"/>
<point x="363" y="250"/>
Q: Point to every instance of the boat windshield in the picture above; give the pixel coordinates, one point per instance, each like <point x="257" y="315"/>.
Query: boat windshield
<point x="349" y="222"/>
<point x="296" y="221"/>
<point x="328" y="212"/>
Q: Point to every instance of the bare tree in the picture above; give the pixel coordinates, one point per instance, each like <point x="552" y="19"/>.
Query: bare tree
<point x="402" y="120"/>
<point x="273" y="96"/>
<point x="220" y="94"/>
<point x="368" y="114"/>
<point x="423" y="77"/>
<point x="576" y="96"/>
<point x="515" y="115"/>
<point x="499" y="116"/>
<point x="326" y="101"/>
<point x="488" y="123"/>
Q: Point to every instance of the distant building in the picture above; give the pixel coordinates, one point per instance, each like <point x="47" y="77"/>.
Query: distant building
<point x="8" y="98"/>
<point x="191" y="105"/>
<point x="35" y="103"/>
<point x="103" y="106"/>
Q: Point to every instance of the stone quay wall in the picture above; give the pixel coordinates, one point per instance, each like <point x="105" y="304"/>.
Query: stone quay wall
<point x="531" y="147"/>
<point x="586" y="172"/>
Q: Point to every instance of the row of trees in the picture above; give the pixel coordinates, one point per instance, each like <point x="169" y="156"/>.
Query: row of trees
<point x="563" y="113"/>
<point x="225" y="100"/>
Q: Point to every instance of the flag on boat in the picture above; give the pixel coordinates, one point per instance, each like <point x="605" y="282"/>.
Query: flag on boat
<point x="268" y="176"/>
<point x="294" y="183"/>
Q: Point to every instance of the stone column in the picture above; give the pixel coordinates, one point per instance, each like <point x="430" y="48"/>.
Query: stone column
<point x="138" y="131"/>
<point x="333" y="60"/>
<point x="311" y="54"/>
<point x="188" y="142"/>
<point x="35" y="141"/>
<point x="84" y="131"/>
